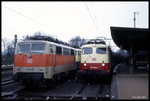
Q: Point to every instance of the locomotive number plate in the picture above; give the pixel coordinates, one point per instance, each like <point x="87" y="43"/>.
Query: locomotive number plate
<point x="29" y="60"/>
<point x="94" y="67"/>
<point x="93" y="59"/>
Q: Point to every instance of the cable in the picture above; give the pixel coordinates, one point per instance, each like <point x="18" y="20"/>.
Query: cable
<point x="35" y="7"/>
<point x="91" y="17"/>
<point x="94" y="16"/>
<point x="22" y="15"/>
<point x="90" y="13"/>
<point x="27" y="17"/>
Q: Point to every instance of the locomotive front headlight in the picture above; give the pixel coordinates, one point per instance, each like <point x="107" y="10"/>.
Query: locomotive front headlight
<point x="84" y="64"/>
<point x="19" y="69"/>
<point x="103" y="64"/>
<point x="41" y="69"/>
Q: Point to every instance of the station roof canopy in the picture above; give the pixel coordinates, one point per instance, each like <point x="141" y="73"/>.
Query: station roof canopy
<point x="125" y="37"/>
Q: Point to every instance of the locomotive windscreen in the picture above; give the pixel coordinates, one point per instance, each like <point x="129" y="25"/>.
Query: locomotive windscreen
<point x="23" y="48"/>
<point x="101" y="50"/>
<point x="37" y="48"/>
<point x="31" y="48"/>
<point x="87" y="50"/>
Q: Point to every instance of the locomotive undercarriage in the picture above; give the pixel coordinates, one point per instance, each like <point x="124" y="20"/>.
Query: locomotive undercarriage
<point x="32" y="79"/>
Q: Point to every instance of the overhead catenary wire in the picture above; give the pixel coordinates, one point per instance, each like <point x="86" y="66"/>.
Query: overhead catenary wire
<point x="37" y="9"/>
<point x="96" y="22"/>
<point x="29" y="18"/>
<point x="22" y="14"/>
<point x="92" y="17"/>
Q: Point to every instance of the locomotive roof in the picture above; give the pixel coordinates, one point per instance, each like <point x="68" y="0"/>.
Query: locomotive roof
<point x="28" y="41"/>
<point x="94" y="45"/>
<point x="78" y="49"/>
<point x="96" y="41"/>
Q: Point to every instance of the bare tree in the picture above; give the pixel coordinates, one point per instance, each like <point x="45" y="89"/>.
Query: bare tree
<point x="8" y="52"/>
<point x="77" y="42"/>
<point x="5" y="42"/>
<point x="43" y="36"/>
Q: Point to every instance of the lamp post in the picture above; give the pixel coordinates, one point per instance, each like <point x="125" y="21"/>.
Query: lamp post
<point x="135" y="18"/>
<point x="15" y="39"/>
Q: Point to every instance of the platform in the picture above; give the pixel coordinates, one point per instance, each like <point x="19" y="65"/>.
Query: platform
<point x="130" y="86"/>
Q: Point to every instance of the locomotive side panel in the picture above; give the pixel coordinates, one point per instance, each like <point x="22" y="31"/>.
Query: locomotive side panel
<point x="64" y="63"/>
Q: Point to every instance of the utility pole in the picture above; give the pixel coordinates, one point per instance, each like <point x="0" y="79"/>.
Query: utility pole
<point x="131" y="69"/>
<point x="135" y="18"/>
<point x="15" y="40"/>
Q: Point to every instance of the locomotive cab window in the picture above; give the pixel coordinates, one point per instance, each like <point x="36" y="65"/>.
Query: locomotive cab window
<point x="38" y="48"/>
<point x="101" y="50"/>
<point x="23" y="48"/>
<point x="87" y="50"/>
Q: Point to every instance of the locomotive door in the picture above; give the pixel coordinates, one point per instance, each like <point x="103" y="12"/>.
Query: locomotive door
<point x="54" y="55"/>
<point x="53" y="52"/>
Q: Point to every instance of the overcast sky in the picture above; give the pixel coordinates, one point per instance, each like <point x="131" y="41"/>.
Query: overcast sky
<point x="65" y="20"/>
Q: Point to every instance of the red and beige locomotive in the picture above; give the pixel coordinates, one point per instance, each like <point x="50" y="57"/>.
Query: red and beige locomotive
<point x="95" y="58"/>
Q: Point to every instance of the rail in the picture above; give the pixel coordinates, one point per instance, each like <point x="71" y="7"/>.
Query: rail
<point x="6" y="70"/>
<point x="11" y="95"/>
<point x="78" y="91"/>
<point x="6" y="67"/>
<point x="5" y="80"/>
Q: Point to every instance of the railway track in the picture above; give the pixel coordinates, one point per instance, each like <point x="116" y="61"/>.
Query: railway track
<point x="5" y="80"/>
<point x="78" y="91"/>
<point x="6" y="70"/>
<point x="70" y="90"/>
<point x="6" y="74"/>
<point x="91" y="92"/>
<point x="11" y="95"/>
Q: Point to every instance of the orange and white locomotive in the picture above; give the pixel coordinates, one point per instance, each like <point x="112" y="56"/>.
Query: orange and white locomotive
<point x="95" y="58"/>
<point x="38" y="60"/>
